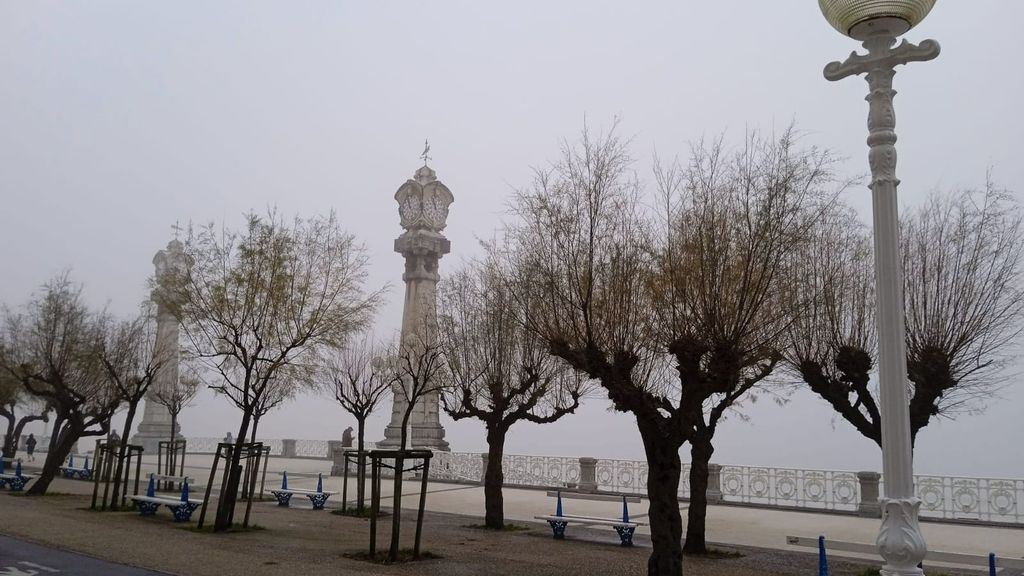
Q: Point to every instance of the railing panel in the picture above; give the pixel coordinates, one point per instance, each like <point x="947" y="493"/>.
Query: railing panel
<point x="311" y="449"/>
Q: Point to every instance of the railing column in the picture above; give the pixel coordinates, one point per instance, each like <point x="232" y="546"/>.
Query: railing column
<point x="483" y="467"/>
<point x="714" y="493"/>
<point x="588" y="474"/>
<point x="288" y="448"/>
<point x="869" y="506"/>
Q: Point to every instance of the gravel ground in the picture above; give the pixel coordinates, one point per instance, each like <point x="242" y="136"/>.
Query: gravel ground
<point x="301" y="541"/>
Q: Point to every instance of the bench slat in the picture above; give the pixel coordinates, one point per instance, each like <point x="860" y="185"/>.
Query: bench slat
<point x="592" y="521"/>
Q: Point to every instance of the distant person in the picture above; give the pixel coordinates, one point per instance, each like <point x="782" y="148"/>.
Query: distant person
<point x="30" y="447"/>
<point x="346" y="438"/>
<point x="228" y="439"/>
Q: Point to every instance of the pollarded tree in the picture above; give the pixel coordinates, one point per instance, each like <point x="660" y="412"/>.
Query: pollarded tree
<point x="357" y="377"/>
<point x="257" y="302"/>
<point x="730" y="222"/>
<point x="15" y="400"/>
<point x="832" y="339"/>
<point x="132" y="356"/>
<point x="962" y="260"/>
<point x="583" y="257"/>
<point x="52" y="349"/>
<point x="501" y="373"/>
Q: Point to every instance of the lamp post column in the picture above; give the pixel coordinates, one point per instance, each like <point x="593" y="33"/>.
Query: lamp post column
<point x="900" y="541"/>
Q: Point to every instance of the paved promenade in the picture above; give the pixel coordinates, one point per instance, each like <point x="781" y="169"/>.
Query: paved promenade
<point x="729" y="525"/>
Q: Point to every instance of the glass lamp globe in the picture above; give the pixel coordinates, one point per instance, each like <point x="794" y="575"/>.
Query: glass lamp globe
<point x="859" y="19"/>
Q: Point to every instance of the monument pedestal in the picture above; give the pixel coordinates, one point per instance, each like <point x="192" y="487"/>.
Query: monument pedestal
<point x="154" y="428"/>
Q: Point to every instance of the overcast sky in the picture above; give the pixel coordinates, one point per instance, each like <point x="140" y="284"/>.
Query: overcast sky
<point x="118" y="119"/>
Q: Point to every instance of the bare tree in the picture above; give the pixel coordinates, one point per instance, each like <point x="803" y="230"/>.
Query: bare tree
<point x="832" y="339"/>
<point x="582" y="252"/>
<point x="255" y="303"/>
<point x="51" y="348"/>
<point x="19" y="408"/>
<point x="358" y="380"/>
<point x="501" y="373"/>
<point x="730" y="221"/>
<point x="962" y="257"/>
<point x="176" y="398"/>
<point x="962" y="262"/>
<point x="132" y="357"/>
<point x="416" y="369"/>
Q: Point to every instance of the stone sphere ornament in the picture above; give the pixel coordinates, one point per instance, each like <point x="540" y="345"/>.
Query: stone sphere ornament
<point x="859" y="19"/>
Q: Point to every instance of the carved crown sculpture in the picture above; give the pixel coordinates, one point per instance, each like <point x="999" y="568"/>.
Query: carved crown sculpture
<point x="855" y="18"/>
<point x="423" y="202"/>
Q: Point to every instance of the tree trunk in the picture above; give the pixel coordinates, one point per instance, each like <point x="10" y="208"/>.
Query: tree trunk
<point x="60" y="447"/>
<point x="122" y="447"/>
<point x="10" y="440"/>
<point x="696" y="518"/>
<point x="663" y="470"/>
<point x="174" y="426"/>
<point x="360" y="466"/>
<point x="226" y="504"/>
<point x="494" y="478"/>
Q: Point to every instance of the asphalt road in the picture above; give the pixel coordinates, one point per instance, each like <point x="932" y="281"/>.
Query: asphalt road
<point x="19" y="558"/>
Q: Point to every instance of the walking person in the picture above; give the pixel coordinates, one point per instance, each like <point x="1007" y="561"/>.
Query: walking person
<point x="30" y="447"/>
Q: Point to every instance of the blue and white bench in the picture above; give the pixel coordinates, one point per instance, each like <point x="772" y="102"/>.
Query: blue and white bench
<point x="17" y="481"/>
<point x="71" y="471"/>
<point x="182" y="507"/>
<point x="624" y="526"/>
<point x="316" y="497"/>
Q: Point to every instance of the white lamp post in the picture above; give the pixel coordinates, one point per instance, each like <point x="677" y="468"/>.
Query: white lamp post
<point x="877" y="23"/>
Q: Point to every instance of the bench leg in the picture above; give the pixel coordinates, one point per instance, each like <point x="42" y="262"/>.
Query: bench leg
<point x="558" y="527"/>
<point x="625" y="534"/>
<point x="318" y="500"/>
<point x="147" y="508"/>
<point x="183" y="512"/>
<point x="283" y="498"/>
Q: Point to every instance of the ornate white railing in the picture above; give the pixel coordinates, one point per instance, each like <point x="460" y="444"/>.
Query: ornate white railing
<point x="981" y="499"/>
<point x="311" y="449"/>
<point x="202" y="445"/>
<point x="790" y="487"/>
<point x="943" y="497"/>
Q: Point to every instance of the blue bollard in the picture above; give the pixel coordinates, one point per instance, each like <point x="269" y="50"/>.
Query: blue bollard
<point x="822" y="559"/>
<point x="625" y="510"/>
<point x="1" y="465"/>
<point x="86" y="465"/>
<point x="558" y="504"/>
<point x="319" y="483"/>
<point x="284" y="480"/>
<point x="71" y="461"/>
<point x="991" y="564"/>
<point x="184" y="491"/>
<point x="17" y="469"/>
<point x="151" y="489"/>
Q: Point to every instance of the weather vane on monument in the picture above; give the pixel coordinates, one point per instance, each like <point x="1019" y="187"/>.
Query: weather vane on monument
<point x="426" y="152"/>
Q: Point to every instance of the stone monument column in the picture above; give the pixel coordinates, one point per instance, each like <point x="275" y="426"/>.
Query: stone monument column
<point x="423" y="203"/>
<point x="156" y="420"/>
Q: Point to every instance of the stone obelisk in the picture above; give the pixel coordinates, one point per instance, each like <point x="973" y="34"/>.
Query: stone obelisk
<point x="156" y="420"/>
<point x="423" y="203"/>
